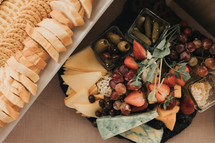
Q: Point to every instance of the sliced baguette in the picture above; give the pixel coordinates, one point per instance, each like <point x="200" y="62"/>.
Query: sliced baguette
<point x="61" y="18"/>
<point x="56" y="43"/>
<point x="5" y="118"/>
<point x="2" y="124"/>
<point x="87" y="5"/>
<point x="66" y="28"/>
<point x="75" y="3"/>
<point x="69" y="11"/>
<point x="26" y="82"/>
<point x="34" y="34"/>
<point x="32" y="46"/>
<point x="15" y="65"/>
<point x="57" y="30"/>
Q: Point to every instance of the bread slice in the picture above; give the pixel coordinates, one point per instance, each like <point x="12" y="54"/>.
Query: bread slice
<point x="29" y="54"/>
<point x="15" y="65"/>
<point x="32" y="46"/>
<point x="87" y="5"/>
<point x="69" y="11"/>
<point x="82" y="12"/>
<point x="66" y="28"/>
<point x="56" y="43"/>
<point x="2" y="124"/>
<point x="22" y="60"/>
<point x="61" y="18"/>
<point x="34" y="34"/>
<point x="5" y="118"/>
<point x="57" y="30"/>
<point x="26" y="82"/>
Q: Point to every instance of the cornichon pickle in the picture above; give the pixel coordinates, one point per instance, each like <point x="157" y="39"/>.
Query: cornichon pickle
<point x="155" y="32"/>
<point x="140" y="22"/>
<point x="136" y="29"/>
<point x="161" y="28"/>
<point x="148" y="28"/>
<point x="142" y="37"/>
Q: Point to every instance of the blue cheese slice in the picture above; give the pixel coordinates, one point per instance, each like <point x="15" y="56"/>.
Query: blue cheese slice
<point x="144" y="134"/>
<point x="111" y="126"/>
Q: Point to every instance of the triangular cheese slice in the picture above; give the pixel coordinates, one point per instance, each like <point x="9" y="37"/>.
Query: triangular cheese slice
<point x="169" y="120"/>
<point x="165" y="113"/>
<point x="79" y="81"/>
<point x="88" y="109"/>
<point x="85" y="60"/>
<point x="70" y="91"/>
<point x="111" y="126"/>
<point x="72" y="72"/>
<point x="80" y="97"/>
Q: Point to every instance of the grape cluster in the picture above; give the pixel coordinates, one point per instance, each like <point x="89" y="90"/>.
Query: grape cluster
<point x="198" y="51"/>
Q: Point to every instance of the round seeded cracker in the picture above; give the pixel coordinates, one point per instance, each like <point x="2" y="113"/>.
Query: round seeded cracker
<point x="14" y="42"/>
<point x="14" y="36"/>
<point x="3" y="59"/>
<point x="32" y="8"/>
<point x="46" y="6"/>
<point x="21" y="23"/>
<point x="28" y="17"/>
<point x="18" y="31"/>
<point x="40" y="9"/>
<point x="30" y="12"/>
<point x="9" y="47"/>
<point x="6" y="51"/>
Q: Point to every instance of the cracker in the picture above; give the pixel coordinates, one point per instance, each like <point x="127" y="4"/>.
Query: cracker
<point x="28" y="17"/>
<point x="5" y="17"/>
<point x="14" y="36"/>
<point x="46" y="7"/>
<point x="18" y="31"/>
<point x="21" y="23"/>
<point x="14" y="42"/>
<point x="32" y="8"/>
<point x="40" y="9"/>
<point x="4" y="23"/>
<point x="10" y="12"/>
<point x="29" y="12"/>
<point x="9" y="46"/>
<point x="11" y="5"/>
<point x="6" y="51"/>
<point x="3" y="59"/>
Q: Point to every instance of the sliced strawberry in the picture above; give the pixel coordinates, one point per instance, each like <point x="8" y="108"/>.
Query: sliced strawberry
<point x="170" y="81"/>
<point x="169" y="103"/>
<point x="162" y="93"/>
<point x="187" y="106"/>
<point x="139" y="51"/>
<point x="141" y="108"/>
<point x="135" y="98"/>
<point x="132" y="87"/>
<point x="180" y="81"/>
<point x="130" y="63"/>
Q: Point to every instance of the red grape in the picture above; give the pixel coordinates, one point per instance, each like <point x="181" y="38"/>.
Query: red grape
<point x="184" y="23"/>
<point x="115" y="57"/>
<point x="130" y="74"/>
<point x="193" y="61"/>
<point x="191" y="47"/>
<point x="188" y="31"/>
<point x="117" y="104"/>
<point x="198" y="43"/>
<point x="123" y="69"/>
<point x="120" y="88"/>
<point x="185" y="56"/>
<point x="212" y="49"/>
<point x="106" y="55"/>
<point x="210" y="63"/>
<point x="114" y="96"/>
<point x="112" y="84"/>
<point x="173" y="55"/>
<point x="132" y="87"/>
<point x="117" y="77"/>
<point x="125" y="109"/>
<point x="207" y="43"/>
<point x="182" y="38"/>
<point x="202" y="71"/>
<point x="180" y="48"/>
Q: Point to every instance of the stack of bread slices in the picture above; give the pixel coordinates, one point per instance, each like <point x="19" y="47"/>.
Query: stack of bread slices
<point x="45" y="31"/>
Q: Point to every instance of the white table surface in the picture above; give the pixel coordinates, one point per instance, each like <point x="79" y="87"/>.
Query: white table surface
<point x="49" y="121"/>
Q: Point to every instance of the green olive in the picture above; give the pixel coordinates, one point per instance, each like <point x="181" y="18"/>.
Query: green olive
<point x="101" y="45"/>
<point x="114" y="38"/>
<point x="123" y="46"/>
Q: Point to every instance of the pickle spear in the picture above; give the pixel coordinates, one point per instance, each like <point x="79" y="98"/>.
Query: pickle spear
<point x="140" y="22"/>
<point x="148" y="27"/>
<point x="155" y="32"/>
<point x="142" y="37"/>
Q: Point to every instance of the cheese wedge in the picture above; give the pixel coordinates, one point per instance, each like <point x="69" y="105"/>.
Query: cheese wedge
<point x="79" y="81"/>
<point x="57" y="30"/>
<point x="177" y="91"/>
<point x="70" y="12"/>
<point x="169" y="120"/>
<point x="85" y="60"/>
<point x="80" y="97"/>
<point x="87" y="5"/>
<point x="88" y="109"/>
<point x="34" y="34"/>
<point x="165" y="113"/>
<point x="56" y="43"/>
<point x="72" y="72"/>
<point x="61" y="18"/>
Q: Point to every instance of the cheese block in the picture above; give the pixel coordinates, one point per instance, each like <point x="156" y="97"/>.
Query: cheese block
<point x="15" y="65"/>
<point x="80" y="97"/>
<point x="57" y="30"/>
<point x="169" y="120"/>
<point x="79" y="81"/>
<point x="144" y="134"/>
<point x="85" y="60"/>
<point x="2" y="124"/>
<point x="56" y="43"/>
<point x="72" y="72"/>
<point x="61" y="18"/>
<point x="87" y="5"/>
<point x="33" y="47"/>
<point x="70" y="12"/>
<point x="4" y="117"/>
<point x="164" y="113"/>
<point x="88" y="109"/>
<point x="34" y="34"/>
<point x="177" y="92"/>
<point x="111" y="126"/>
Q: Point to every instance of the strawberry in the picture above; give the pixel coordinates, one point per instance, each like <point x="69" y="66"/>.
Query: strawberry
<point x="170" y="81"/>
<point x="162" y="93"/>
<point x="135" y="98"/>
<point x="187" y="106"/>
<point x="180" y="80"/>
<point x="169" y="103"/>
<point x="139" y="51"/>
<point x="141" y="108"/>
<point x="130" y="63"/>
